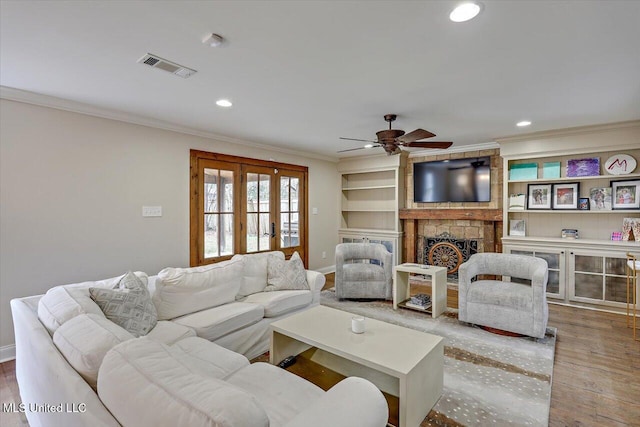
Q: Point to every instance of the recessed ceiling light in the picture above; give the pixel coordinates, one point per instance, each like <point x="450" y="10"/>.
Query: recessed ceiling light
<point x="523" y="123"/>
<point x="223" y="103"/>
<point x="213" y="40"/>
<point x="368" y="146"/>
<point x="465" y="11"/>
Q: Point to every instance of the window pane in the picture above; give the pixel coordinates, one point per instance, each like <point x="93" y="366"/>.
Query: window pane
<point x="284" y="194"/>
<point x="522" y="253"/>
<point x="616" y="289"/>
<point x="265" y="232"/>
<point x="211" y="248"/>
<point x="252" y="232"/>
<point x="226" y="236"/>
<point x="553" y="284"/>
<point x="294" y="184"/>
<point x="265" y="188"/>
<point x="552" y="259"/>
<point x="615" y="266"/>
<point x="285" y="232"/>
<point x="590" y="264"/>
<point x="252" y="192"/>
<point x="211" y="190"/>
<point x="226" y="190"/>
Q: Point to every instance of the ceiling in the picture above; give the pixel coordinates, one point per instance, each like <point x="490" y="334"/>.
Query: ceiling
<point x="302" y="74"/>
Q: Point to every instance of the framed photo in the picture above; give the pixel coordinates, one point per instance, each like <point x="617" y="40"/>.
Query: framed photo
<point x="626" y="194"/>
<point x="539" y="196"/>
<point x="517" y="227"/>
<point x="583" y="167"/>
<point x="565" y="196"/>
<point x="600" y="198"/>
<point x="583" y="203"/>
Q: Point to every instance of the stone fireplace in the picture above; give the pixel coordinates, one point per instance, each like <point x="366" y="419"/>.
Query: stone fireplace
<point x="446" y="250"/>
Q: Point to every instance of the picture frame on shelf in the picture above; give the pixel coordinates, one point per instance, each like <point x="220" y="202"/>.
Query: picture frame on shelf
<point x="626" y="194"/>
<point x="539" y="196"/>
<point x="583" y="204"/>
<point x="620" y="164"/>
<point x="583" y="167"/>
<point x="600" y="199"/>
<point x="517" y="202"/>
<point x="517" y="227"/>
<point x="565" y="195"/>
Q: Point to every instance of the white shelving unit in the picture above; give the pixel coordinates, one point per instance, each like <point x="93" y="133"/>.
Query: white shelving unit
<point x="372" y="193"/>
<point x="588" y="271"/>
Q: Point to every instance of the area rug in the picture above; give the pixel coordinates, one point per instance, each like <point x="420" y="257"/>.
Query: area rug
<point x="489" y="379"/>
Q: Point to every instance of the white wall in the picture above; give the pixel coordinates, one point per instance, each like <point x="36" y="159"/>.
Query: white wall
<point x="72" y="187"/>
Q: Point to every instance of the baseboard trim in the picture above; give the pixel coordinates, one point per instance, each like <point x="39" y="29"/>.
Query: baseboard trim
<point x="327" y="270"/>
<point x="7" y="352"/>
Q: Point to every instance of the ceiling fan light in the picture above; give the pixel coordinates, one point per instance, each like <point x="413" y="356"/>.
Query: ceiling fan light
<point x="465" y="11"/>
<point x="368" y="146"/>
<point x="223" y="103"/>
<point x="523" y="123"/>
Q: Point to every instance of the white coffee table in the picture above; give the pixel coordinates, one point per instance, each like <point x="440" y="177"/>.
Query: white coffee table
<point x="401" y="286"/>
<point x="402" y="362"/>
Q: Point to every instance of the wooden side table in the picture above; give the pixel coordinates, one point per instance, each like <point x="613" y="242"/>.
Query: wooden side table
<point x="401" y="286"/>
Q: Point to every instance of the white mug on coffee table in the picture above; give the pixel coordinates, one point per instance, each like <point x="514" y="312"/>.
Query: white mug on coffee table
<point x="357" y="324"/>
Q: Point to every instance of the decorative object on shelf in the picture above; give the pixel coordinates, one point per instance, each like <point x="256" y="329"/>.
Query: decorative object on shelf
<point x="620" y="164"/>
<point x="517" y="227"/>
<point x="583" y="167"/>
<point x="551" y="170"/>
<point x="539" y="196"/>
<point x="583" y="204"/>
<point x="517" y="202"/>
<point x="616" y="236"/>
<point x="630" y="229"/>
<point x="600" y="198"/>
<point x="569" y="233"/>
<point x="523" y="171"/>
<point x="565" y="196"/>
<point x="626" y="194"/>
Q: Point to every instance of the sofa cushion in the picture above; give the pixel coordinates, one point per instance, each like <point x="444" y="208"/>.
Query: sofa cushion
<point x="281" y="302"/>
<point x="217" y="322"/>
<point x="359" y="272"/>
<point x="168" y="332"/>
<point x="280" y="393"/>
<point x="506" y="294"/>
<point x="181" y="291"/>
<point x="143" y="383"/>
<point x="254" y="272"/>
<point x="207" y="358"/>
<point x="129" y="305"/>
<point x="286" y="275"/>
<point x="85" y="340"/>
<point x="65" y="302"/>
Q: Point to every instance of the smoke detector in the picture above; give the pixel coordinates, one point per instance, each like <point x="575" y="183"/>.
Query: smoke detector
<point x="173" y="68"/>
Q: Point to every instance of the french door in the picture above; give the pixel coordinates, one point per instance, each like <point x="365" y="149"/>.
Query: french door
<point x="241" y="205"/>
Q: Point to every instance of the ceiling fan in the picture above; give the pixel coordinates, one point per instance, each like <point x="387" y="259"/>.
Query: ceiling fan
<point x="392" y="139"/>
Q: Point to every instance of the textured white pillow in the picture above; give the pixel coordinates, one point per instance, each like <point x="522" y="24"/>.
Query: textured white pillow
<point x="128" y="306"/>
<point x="84" y="341"/>
<point x="286" y="275"/>
<point x="181" y="291"/>
<point x="63" y="303"/>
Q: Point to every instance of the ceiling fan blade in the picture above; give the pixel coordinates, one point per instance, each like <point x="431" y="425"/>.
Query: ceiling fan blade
<point x="429" y="144"/>
<point x="416" y="135"/>
<point x="362" y="140"/>
<point x="351" y="149"/>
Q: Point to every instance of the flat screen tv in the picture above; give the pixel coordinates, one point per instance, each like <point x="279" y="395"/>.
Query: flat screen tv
<point x="459" y="180"/>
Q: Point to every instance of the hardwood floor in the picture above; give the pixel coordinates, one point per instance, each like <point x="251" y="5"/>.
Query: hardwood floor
<point x="596" y="375"/>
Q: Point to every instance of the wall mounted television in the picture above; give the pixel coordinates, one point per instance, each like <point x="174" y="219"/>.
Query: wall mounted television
<point x="459" y="180"/>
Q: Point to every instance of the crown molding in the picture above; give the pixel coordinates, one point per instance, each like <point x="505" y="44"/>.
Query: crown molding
<point x="13" y="94"/>
<point x="568" y="131"/>
<point x="459" y="149"/>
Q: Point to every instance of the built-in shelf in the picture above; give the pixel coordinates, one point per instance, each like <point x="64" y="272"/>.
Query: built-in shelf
<point x="572" y="211"/>
<point x="371" y="187"/>
<point x="575" y="178"/>
<point x="367" y="210"/>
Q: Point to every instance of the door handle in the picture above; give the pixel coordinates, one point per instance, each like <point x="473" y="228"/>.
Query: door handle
<point x="273" y="229"/>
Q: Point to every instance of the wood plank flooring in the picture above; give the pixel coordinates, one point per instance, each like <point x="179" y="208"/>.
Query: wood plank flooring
<point x="596" y="376"/>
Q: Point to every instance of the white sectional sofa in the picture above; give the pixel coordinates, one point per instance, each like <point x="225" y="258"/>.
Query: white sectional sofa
<point x="191" y="369"/>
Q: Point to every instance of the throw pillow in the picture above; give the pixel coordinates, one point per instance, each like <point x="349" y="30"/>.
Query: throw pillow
<point x="286" y="275"/>
<point x="128" y="305"/>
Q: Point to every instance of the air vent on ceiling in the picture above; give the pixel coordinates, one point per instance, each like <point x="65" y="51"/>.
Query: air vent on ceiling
<point x="157" y="62"/>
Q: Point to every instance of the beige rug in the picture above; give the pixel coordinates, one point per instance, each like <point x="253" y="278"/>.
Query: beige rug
<point x="489" y="380"/>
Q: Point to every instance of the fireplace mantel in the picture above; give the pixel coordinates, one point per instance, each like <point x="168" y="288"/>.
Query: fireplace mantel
<point x="410" y="217"/>
<point x="466" y="213"/>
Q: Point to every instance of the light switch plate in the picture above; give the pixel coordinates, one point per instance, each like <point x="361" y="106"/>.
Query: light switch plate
<point x="151" y="211"/>
<point x="314" y="211"/>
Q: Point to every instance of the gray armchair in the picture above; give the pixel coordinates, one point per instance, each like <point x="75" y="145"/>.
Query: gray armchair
<point x="509" y="306"/>
<point x="363" y="271"/>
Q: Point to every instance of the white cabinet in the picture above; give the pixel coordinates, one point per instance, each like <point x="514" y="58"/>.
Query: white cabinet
<point x="555" y="258"/>
<point x="372" y="193"/>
